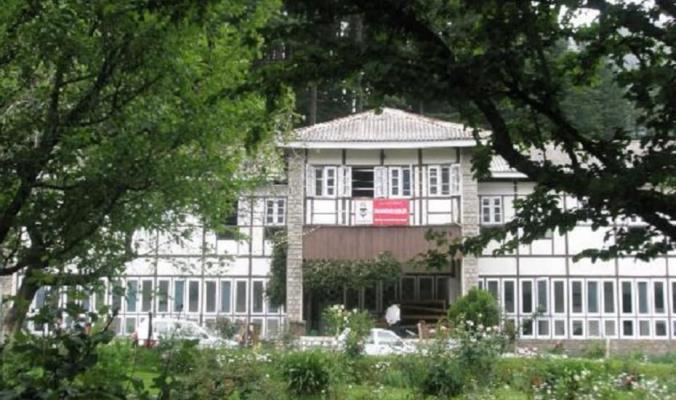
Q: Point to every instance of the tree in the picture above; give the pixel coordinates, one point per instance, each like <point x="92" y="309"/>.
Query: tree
<point x="521" y="69"/>
<point x="118" y="116"/>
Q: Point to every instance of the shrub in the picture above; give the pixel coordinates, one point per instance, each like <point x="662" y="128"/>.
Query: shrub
<point x="356" y="324"/>
<point x="444" y="377"/>
<point x="478" y="349"/>
<point x="307" y="372"/>
<point x="477" y="306"/>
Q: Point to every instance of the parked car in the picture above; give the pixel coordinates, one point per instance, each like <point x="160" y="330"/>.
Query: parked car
<point x="181" y="329"/>
<point x="381" y="342"/>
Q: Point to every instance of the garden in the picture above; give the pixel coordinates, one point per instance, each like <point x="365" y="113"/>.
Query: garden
<point x="467" y="360"/>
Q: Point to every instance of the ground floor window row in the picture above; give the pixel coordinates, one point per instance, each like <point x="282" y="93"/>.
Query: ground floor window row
<point x="171" y="297"/>
<point x="586" y="307"/>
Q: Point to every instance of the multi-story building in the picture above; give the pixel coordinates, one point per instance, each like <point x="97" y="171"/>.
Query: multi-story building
<point x="374" y="182"/>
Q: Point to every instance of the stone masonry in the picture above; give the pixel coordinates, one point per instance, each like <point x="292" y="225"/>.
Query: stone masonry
<point x="470" y="219"/>
<point x="294" y="258"/>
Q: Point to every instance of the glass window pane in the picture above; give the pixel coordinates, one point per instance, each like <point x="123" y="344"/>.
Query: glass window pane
<point x="225" y="296"/>
<point x="627" y="328"/>
<point x="280" y="211"/>
<point x="658" y="294"/>
<point x="193" y="296"/>
<point x="442" y="288"/>
<point x="592" y="297"/>
<point x="576" y="296"/>
<point x="610" y="328"/>
<point x="147" y="295"/>
<point x="179" y="295"/>
<point x="527" y="296"/>
<point x="644" y="328"/>
<point x="593" y="328"/>
<point x="132" y="289"/>
<point x="445" y="180"/>
<point x="130" y="325"/>
<point x="542" y="297"/>
<point x="426" y="288"/>
<point x="493" y="289"/>
<point x="660" y="328"/>
<point x="608" y="297"/>
<point x="240" y="303"/>
<point x="559" y="327"/>
<point x="163" y="296"/>
<point x="389" y="294"/>
<point x="643" y="297"/>
<point x="258" y="297"/>
<point x="319" y="181"/>
<point x="509" y="296"/>
<point x="406" y="185"/>
<point x="543" y="328"/>
<point x="408" y="288"/>
<point x="578" y="328"/>
<point x="559" y="296"/>
<point x="433" y="180"/>
<point x="626" y="297"/>
<point x="210" y="292"/>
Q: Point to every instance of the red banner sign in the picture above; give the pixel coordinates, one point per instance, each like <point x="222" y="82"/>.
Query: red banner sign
<point x="390" y="212"/>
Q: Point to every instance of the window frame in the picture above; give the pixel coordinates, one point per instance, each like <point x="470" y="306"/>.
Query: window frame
<point x="275" y="215"/>
<point x="400" y="187"/>
<point x="494" y="219"/>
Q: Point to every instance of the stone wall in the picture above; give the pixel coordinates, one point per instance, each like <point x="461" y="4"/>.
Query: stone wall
<point x="615" y="346"/>
<point x="470" y="219"/>
<point x="294" y="221"/>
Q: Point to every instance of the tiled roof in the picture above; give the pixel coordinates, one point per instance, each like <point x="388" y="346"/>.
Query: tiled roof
<point x="390" y="125"/>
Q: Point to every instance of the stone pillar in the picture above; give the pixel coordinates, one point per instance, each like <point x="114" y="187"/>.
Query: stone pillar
<point x="470" y="219"/>
<point x="294" y="228"/>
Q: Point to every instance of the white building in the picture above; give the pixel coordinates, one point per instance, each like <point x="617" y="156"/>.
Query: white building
<point x="372" y="182"/>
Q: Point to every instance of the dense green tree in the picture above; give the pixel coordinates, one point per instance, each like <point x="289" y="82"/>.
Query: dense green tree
<point x="116" y="116"/>
<point x="536" y="74"/>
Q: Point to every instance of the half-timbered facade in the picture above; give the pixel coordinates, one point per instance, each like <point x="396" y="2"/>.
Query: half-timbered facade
<point x="375" y="182"/>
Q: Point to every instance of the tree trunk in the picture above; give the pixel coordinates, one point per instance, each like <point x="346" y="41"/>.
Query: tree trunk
<point x="16" y="315"/>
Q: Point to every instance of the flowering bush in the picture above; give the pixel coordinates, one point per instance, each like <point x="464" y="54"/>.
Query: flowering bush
<point x="478" y="348"/>
<point x="477" y="306"/>
<point x="355" y="325"/>
<point x="306" y="372"/>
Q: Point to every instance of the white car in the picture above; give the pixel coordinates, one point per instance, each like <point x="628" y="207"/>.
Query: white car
<point x="181" y="329"/>
<point x="381" y="342"/>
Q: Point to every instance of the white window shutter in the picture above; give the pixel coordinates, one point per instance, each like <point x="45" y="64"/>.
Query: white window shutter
<point x="379" y="182"/>
<point x="346" y="181"/>
<point x="309" y="180"/>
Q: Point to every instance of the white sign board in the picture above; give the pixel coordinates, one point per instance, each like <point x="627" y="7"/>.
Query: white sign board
<point x="363" y="212"/>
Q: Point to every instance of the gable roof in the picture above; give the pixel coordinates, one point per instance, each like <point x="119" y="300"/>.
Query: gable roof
<point x="390" y="128"/>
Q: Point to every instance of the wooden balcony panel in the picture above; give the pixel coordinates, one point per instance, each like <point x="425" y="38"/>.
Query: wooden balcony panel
<point x="366" y="242"/>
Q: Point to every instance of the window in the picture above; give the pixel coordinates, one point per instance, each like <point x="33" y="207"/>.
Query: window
<point x="593" y="328"/>
<point x="644" y="328"/>
<point x="179" y="295"/>
<point x="274" y="211"/>
<point x="116" y="294"/>
<point x="627" y="328"/>
<point x="578" y="328"/>
<point x="608" y="297"/>
<point x="132" y="290"/>
<point x="443" y="180"/>
<point x="225" y="296"/>
<point x="147" y="295"/>
<point x="230" y="231"/>
<point x="559" y="297"/>
<point x="491" y="210"/>
<point x="576" y="296"/>
<point x="626" y="298"/>
<point x="210" y="294"/>
<point x="542" y="296"/>
<point x="527" y="327"/>
<point x="609" y="328"/>
<point x="330" y="181"/>
<point x="362" y="182"/>
<point x="658" y="294"/>
<point x="642" y="297"/>
<point x="193" y="296"/>
<point x="129" y="325"/>
<point x="425" y="288"/>
<point x="321" y="181"/>
<point x="526" y="297"/>
<point x="673" y="298"/>
<point x="592" y="297"/>
<point x="543" y="327"/>
<point x="660" y="328"/>
<point x="257" y="292"/>
<point x="240" y="297"/>
<point x="509" y="296"/>
<point x="400" y="181"/>
<point x="433" y="181"/>
<point x="163" y="296"/>
<point x="493" y="289"/>
<point x="559" y="327"/>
